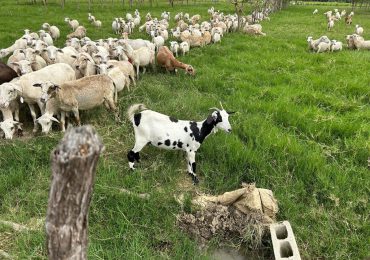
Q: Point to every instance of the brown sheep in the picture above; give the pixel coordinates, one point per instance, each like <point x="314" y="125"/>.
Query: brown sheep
<point x="6" y="73"/>
<point x="165" y="59"/>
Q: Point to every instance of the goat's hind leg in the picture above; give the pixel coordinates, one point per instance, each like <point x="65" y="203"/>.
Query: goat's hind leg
<point x="133" y="155"/>
<point x="192" y="167"/>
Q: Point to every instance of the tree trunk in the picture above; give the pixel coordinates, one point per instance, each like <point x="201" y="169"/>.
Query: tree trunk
<point x="73" y="172"/>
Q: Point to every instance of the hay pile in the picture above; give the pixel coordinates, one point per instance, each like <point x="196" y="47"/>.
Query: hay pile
<point x="241" y="216"/>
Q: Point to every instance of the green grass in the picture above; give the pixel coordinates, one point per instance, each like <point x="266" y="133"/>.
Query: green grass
<point x="303" y="130"/>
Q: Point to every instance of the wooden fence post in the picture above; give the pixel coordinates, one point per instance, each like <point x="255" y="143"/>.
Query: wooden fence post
<point x="74" y="163"/>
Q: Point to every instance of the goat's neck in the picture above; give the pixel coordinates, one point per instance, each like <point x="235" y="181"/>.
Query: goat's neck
<point x="201" y="129"/>
<point x="179" y="64"/>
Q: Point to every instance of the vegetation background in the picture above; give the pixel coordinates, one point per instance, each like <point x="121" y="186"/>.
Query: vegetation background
<point x="302" y="130"/>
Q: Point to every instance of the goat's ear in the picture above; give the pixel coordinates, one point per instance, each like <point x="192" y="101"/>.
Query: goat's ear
<point x="231" y="112"/>
<point x="38" y="85"/>
<point x="60" y="50"/>
<point x="74" y="56"/>
<point x="21" y="51"/>
<point x="54" y="119"/>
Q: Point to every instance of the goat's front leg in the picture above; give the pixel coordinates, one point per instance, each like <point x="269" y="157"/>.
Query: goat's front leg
<point x="133" y="155"/>
<point x="33" y="114"/>
<point x="192" y="166"/>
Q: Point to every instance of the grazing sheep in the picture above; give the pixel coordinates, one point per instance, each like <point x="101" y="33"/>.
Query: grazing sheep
<point x="336" y="46"/>
<point x="165" y="59"/>
<point x="90" y="17"/>
<point x="72" y="23"/>
<point x="323" y="47"/>
<point x="96" y="23"/>
<point x="313" y="44"/>
<point x="174" y="47"/>
<point x="58" y="73"/>
<point x="315" y="11"/>
<point x="71" y="96"/>
<point x="169" y="133"/>
<point x="80" y="32"/>
<point x="47" y="119"/>
<point x="359" y="30"/>
<point x="184" y="48"/>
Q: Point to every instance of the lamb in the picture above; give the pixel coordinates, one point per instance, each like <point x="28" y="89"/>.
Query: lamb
<point x="58" y="73"/>
<point x="6" y="73"/>
<point x="330" y="24"/>
<point x="336" y="46"/>
<point x="323" y="47"/>
<point x="359" y="30"/>
<point x="90" y="17"/>
<point x="166" y="60"/>
<point x="360" y="43"/>
<point x="174" y="47"/>
<point x="184" y="47"/>
<point x="216" y="37"/>
<point x="313" y="44"/>
<point x="72" y="23"/>
<point x="169" y="133"/>
<point x="71" y="96"/>
<point x="53" y="30"/>
<point x="96" y="23"/>
<point x="9" y="126"/>
<point x="315" y="11"/>
<point x="253" y="29"/>
<point x="80" y="32"/>
<point x="140" y="58"/>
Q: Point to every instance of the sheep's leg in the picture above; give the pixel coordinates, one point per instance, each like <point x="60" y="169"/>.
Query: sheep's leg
<point x="137" y="71"/>
<point x="16" y="117"/>
<point x="77" y="116"/>
<point x="114" y="108"/>
<point x="33" y="114"/>
<point x="144" y="70"/>
<point x="134" y="155"/>
<point x="192" y="166"/>
<point x="63" y="121"/>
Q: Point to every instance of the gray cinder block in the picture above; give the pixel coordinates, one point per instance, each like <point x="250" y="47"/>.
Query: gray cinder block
<point x="283" y="241"/>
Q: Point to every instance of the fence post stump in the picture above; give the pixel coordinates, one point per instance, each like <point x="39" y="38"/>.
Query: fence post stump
<point x="74" y="163"/>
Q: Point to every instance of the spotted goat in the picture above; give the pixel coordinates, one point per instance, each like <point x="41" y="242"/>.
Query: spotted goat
<point x="166" y="132"/>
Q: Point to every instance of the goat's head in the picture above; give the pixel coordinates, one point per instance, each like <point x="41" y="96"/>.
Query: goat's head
<point x="9" y="127"/>
<point x="190" y="70"/>
<point x="220" y="118"/>
<point x="46" y="121"/>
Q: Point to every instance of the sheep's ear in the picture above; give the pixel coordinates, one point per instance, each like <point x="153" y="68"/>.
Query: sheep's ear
<point x="37" y="52"/>
<point x="21" y="51"/>
<point x="60" y="50"/>
<point x="110" y="66"/>
<point x="38" y="85"/>
<point x="14" y="63"/>
<point x="74" y="56"/>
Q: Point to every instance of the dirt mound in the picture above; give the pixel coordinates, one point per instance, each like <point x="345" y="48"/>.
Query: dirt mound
<point x="241" y="216"/>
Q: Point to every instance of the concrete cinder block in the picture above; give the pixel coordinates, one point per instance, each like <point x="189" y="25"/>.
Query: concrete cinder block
<point x="283" y="241"/>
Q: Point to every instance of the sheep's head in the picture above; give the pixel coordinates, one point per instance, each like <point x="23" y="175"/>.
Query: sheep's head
<point x="190" y="70"/>
<point x="9" y="127"/>
<point x="46" y="122"/>
<point x="48" y="90"/>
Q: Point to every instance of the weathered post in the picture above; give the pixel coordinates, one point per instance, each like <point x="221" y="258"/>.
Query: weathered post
<point x="74" y="163"/>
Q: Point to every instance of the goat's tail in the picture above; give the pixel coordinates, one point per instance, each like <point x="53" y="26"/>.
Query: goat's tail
<point x="133" y="109"/>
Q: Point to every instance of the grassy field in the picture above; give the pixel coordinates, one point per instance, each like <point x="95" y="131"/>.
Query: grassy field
<point x="303" y="131"/>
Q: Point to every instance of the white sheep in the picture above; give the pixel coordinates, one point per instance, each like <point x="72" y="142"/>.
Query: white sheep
<point x="216" y="37"/>
<point x="158" y="41"/>
<point x="72" y="23"/>
<point x="118" y="77"/>
<point x="96" y="23"/>
<point x="46" y="37"/>
<point x="174" y="47"/>
<point x="315" y="11"/>
<point x="336" y="46"/>
<point x="184" y="48"/>
<point x="53" y="30"/>
<point x="360" y="43"/>
<point x="359" y="30"/>
<point x="323" y="47"/>
<point x="330" y="24"/>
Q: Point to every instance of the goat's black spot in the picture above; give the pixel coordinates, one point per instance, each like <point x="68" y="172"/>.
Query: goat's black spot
<point x="174" y="147"/>
<point x="137" y="156"/>
<point x="173" y="119"/>
<point x="149" y="143"/>
<point x="193" y="167"/>
<point x="191" y="135"/>
<point x="159" y="143"/>
<point x="179" y="144"/>
<point x="167" y="142"/>
<point x="186" y="129"/>
<point x="131" y="156"/>
<point x="137" y="118"/>
<point x="190" y="150"/>
<point x="187" y="145"/>
<point x="174" y="143"/>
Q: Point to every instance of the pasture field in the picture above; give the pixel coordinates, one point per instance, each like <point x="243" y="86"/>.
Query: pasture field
<point x="302" y="130"/>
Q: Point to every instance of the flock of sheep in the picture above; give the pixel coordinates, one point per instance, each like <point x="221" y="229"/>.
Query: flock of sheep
<point x="324" y="44"/>
<point x="62" y="81"/>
